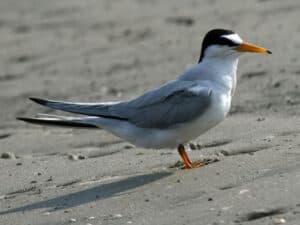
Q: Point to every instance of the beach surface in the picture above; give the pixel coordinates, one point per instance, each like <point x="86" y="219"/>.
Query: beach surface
<point x="91" y="51"/>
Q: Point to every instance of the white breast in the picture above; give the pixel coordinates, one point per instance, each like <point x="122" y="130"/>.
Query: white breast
<point x="215" y="114"/>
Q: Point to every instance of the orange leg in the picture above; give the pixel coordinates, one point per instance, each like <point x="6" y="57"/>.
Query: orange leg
<point x="187" y="162"/>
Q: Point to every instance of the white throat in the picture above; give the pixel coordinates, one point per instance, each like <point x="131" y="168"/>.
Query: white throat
<point x="221" y="70"/>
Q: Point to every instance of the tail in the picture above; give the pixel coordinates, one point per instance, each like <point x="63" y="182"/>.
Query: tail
<point x="90" y="109"/>
<point x="62" y="121"/>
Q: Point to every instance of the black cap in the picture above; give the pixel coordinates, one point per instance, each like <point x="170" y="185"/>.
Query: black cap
<point x="214" y="37"/>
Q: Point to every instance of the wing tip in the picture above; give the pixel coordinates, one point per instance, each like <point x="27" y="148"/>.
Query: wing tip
<point x="39" y="100"/>
<point x="25" y="119"/>
<point x="21" y="118"/>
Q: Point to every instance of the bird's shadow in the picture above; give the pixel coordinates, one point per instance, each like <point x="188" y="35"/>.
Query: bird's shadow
<point x="99" y="192"/>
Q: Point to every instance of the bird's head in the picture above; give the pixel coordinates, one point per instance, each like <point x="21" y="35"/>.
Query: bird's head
<point x="226" y="43"/>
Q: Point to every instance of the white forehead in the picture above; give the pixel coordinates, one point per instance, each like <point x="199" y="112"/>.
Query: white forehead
<point x="234" y="38"/>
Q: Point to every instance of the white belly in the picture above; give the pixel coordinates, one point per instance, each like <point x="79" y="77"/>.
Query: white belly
<point x="181" y="134"/>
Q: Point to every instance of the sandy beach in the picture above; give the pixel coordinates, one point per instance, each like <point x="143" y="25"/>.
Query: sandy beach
<point x="91" y="51"/>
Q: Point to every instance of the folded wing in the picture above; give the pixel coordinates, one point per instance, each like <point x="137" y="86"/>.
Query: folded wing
<point x="176" y="102"/>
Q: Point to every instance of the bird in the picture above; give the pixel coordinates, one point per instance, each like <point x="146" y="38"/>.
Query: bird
<point x="172" y="114"/>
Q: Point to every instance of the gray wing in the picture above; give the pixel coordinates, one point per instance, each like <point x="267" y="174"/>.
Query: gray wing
<point x="174" y="103"/>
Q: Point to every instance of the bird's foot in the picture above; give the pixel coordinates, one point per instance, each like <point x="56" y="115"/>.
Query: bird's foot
<point x="196" y="164"/>
<point x="188" y="164"/>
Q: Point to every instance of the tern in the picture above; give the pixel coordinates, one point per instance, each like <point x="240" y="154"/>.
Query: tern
<point x="173" y="114"/>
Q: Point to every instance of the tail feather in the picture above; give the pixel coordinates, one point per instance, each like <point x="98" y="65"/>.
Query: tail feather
<point x="44" y="115"/>
<point x="90" y="109"/>
<point x="58" y="121"/>
<point x="74" y="107"/>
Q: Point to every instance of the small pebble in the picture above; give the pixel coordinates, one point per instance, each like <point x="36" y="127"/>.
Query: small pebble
<point x="117" y="216"/>
<point x="279" y="221"/>
<point x="166" y="153"/>
<point x="81" y="157"/>
<point x="33" y="182"/>
<point x="243" y="191"/>
<point x="46" y="213"/>
<point x="178" y="164"/>
<point x="73" y="157"/>
<point x="38" y="191"/>
<point x="192" y="146"/>
<point x="225" y="152"/>
<point x="259" y="119"/>
<point x="8" y="155"/>
<point x="195" y="146"/>
<point x="289" y="100"/>
<point x="276" y="84"/>
<point x="91" y="218"/>
<point x="199" y="146"/>
<point x="89" y="224"/>
<point x="128" y="146"/>
<point x="269" y="138"/>
<point x="72" y="220"/>
<point x="19" y="164"/>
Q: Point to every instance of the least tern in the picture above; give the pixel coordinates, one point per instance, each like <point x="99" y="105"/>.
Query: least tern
<point x="173" y="114"/>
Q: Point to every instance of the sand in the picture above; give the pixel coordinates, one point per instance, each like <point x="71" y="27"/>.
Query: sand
<point x="112" y="50"/>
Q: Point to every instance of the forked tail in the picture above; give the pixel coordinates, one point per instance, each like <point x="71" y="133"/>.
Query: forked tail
<point x="62" y="121"/>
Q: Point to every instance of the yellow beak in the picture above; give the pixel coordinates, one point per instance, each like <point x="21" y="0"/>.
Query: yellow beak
<point x="248" y="47"/>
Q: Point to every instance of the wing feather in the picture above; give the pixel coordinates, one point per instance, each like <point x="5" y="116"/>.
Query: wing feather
<point x="166" y="107"/>
<point x="173" y="103"/>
